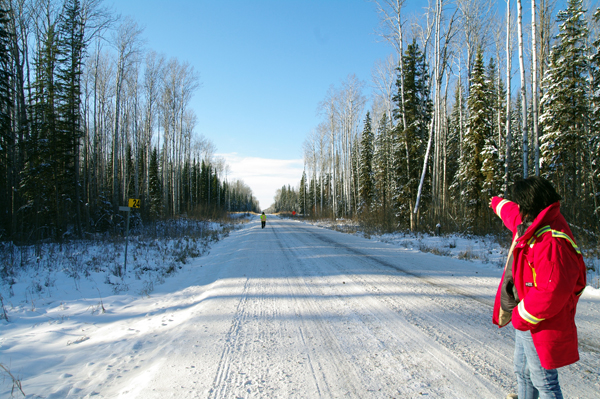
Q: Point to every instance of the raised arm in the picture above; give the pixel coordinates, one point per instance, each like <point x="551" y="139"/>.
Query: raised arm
<point x="508" y="211"/>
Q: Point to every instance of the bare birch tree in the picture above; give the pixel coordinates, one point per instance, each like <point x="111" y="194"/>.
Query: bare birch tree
<point x="152" y="86"/>
<point x="508" y="138"/>
<point x="383" y="78"/>
<point x="441" y="45"/>
<point x="127" y="42"/>
<point x="523" y="89"/>
<point x="328" y="108"/>
<point x="390" y="15"/>
<point x="534" y="89"/>
<point x="475" y="20"/>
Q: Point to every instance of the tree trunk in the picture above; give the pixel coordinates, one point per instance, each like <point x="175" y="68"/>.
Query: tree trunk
<point x="534" y="89"/>
<point x="523" y="91"/>
<point x="508" y="139"/>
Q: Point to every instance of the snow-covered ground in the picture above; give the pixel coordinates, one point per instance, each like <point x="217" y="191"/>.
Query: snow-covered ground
<point x="487" y="250"/>
<point x="289" y="311"/>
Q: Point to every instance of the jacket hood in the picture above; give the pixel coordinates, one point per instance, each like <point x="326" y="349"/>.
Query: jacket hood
<point x="544" y="218"/>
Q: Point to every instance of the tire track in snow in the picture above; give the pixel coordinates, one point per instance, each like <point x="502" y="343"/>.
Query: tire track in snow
<point x="265" y="354"/>
<point x="223" y="374"/>
<point x="323" y="336"/>
<point x="419" y="276"/>
<point x="388" y="327"/>
<point x="492" y="361"/>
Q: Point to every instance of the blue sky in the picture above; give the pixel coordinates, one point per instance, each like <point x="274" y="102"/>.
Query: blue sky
<point x="264" y="66"/>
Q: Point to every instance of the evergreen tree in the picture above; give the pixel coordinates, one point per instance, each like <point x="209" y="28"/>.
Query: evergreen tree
<point x="410" y="143"/>
<point x="381" y="165"/>
<point x="6" y="141"/>
<point x="454" y="146"/>
<point x="42" y="183"/>
<point x="491" y="154"/>
<point x="516" y="151"/>
<point x="185" y="204"/>
<point x="154" y="184"/>
<point x="311" y="199"/>
<point x="595" y="124"/>
<point x="69" y="70"/>
<point x="478" y="130"/>
<point x="366" y="177"/>
<point x="203" y="200"/>
<point x="565" y="105"/>
<point x="354" y="177"/>
<point x="492" y="81"/>
<point x="302" y="194"/>
<point x="194" y="184"/>
<point x="214" y="190"/>
<point x="595" y="81"/>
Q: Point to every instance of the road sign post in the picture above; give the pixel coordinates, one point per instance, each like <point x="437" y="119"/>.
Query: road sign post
<point x="128" y="210"/>
<point x="133" y="203"/>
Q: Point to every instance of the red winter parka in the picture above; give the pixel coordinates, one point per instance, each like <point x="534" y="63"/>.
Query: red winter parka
<point x="549" y="275"/>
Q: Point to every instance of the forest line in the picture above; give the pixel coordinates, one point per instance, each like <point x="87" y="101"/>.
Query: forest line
<point x="447" y="128"/>
<point x="90" y="119"/>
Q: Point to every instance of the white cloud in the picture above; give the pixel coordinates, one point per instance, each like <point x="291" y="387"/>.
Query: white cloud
<point x="263" y="175"/>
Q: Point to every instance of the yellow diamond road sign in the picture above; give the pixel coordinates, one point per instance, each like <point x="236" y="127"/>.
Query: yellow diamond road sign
<point x="134" y="203"/>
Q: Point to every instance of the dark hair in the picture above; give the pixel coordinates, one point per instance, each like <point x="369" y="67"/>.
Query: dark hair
<point x="533" y="195"/>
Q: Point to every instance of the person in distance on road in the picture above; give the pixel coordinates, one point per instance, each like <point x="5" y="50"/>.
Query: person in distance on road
<point x="263" y="220"/>
<point x="543" y="279"/>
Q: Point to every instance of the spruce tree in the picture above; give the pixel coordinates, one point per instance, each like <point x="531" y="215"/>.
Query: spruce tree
<point x="302" y="193"/>
<point x="491" y="166"/>
<point x="354" y="178"/>
<point x="311" y="197"/>
<point x="194" y="184"/>
<point x="69" y="70"/>
<point x="366" y="178"/>
<point x="6" y="141"/>
<point x="381" y="165"/>
<point x="565" y="105"/>
<point x="185" y="200"/>
<point x="154" y="186"/>
<point x="5" y="79"/>
<point x="595" y="124"/>
<point x="478" y="129"/>
<point x="492" y="81"/>
<point x="595" y="81"/>
<point x="516" y="151"/>
<point x="214" y="189"/>
<point x="454" y="145"/>
<point x="410" y="144"/>
<point x="42" y="178"/>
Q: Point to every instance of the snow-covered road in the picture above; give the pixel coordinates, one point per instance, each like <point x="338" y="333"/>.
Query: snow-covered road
<point x="295" y="311"/>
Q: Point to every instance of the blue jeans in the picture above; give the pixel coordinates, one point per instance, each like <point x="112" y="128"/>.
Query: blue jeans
<point x="534" y="380"/>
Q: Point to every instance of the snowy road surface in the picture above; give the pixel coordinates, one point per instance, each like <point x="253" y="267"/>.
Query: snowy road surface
<point x="294" y="311"/>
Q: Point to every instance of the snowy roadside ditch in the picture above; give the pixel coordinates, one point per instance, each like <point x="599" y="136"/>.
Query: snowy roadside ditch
<point x="70" y="283"/>
<point x="33" y="274"/>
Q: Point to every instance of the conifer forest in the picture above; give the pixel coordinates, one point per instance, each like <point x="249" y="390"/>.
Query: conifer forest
<point x="474" y="95"/>
<point x="473" y="99"/>
<point x="90" y="117"/>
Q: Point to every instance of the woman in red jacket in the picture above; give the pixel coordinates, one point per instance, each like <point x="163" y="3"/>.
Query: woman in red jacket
<point x="542" y="281"/>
